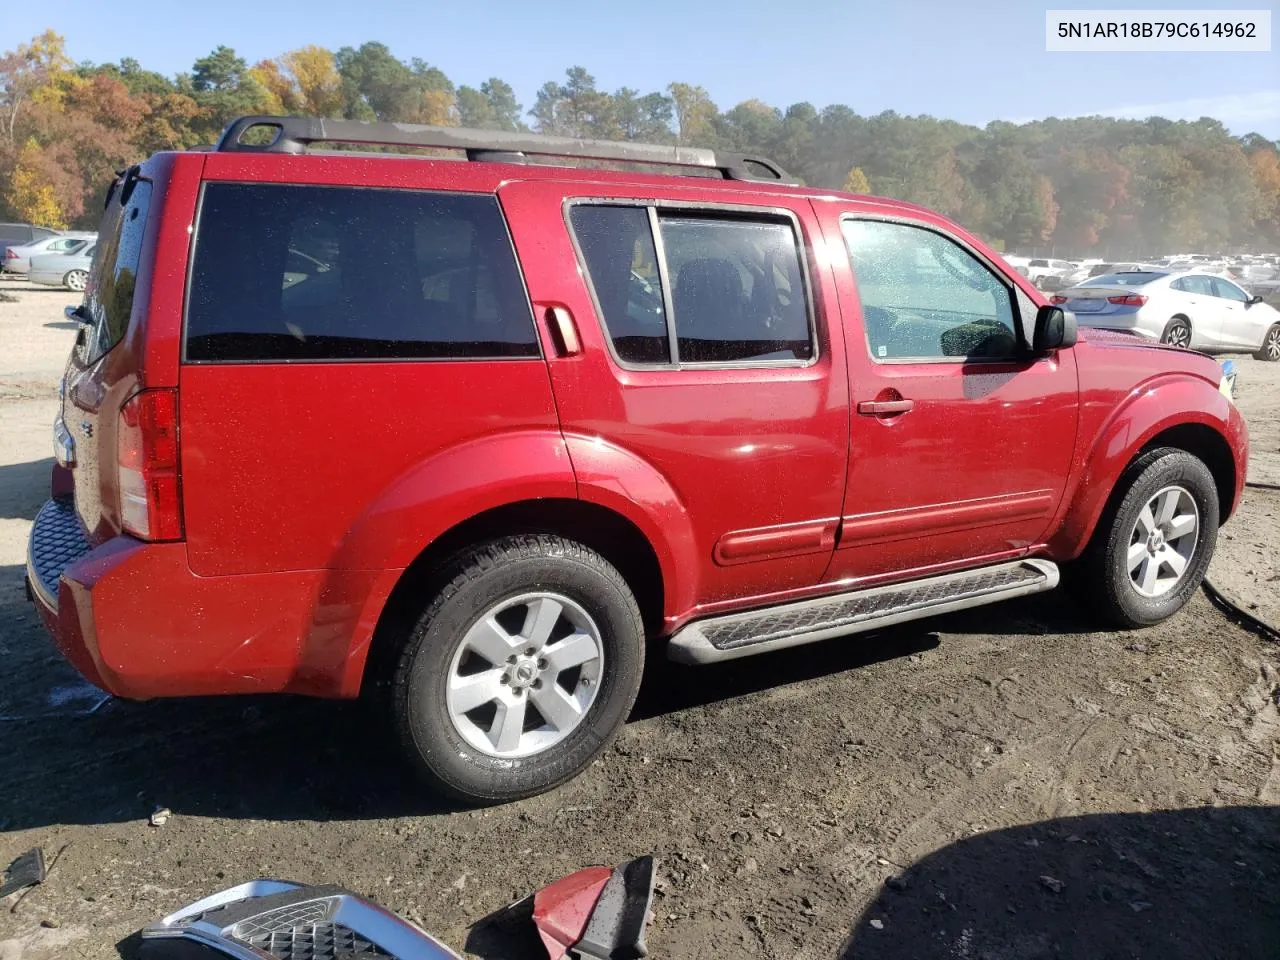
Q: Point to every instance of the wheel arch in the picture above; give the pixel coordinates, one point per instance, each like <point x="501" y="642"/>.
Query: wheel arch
<point x="1185" y="414"/>
<point x="609" y="533"/>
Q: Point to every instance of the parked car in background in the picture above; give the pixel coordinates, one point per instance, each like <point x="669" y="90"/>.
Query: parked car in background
<point x="17" y="234"/>
<point x="1199" y="310"/>
<point x="70" y="270"/>
<point x="17" y="260"/>
<point x="1039" y="269"/>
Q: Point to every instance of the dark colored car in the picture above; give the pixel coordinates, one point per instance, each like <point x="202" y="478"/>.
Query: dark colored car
<point x="472" y="433"/>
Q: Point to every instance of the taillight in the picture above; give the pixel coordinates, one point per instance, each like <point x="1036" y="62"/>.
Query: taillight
<point x="147" y="454"/>
<point x="9" y="254"/>
<point x="1058" y="298"/>
<point x="1128" y="300"/>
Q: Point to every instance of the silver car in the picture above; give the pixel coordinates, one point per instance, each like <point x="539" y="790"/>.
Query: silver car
<point x="70" y="270"/>
<point x="1202" y="311"/>
<point x="17" y="260"/>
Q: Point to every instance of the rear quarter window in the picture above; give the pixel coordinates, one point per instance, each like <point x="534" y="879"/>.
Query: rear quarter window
<point x="288" y="272"/>
<point x="114" y="273"/>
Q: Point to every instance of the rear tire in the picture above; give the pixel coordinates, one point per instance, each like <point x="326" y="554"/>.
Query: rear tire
<point x="75" y="280"/>
<point x="1270" y="349"/>
<point x="1177" y="333"/>
<point x="1142" y="566"/>
<point x="512" y="614"/>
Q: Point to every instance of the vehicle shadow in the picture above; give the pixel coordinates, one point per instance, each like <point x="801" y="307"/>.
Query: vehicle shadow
<point x="62" y="325"/>
<point x="72" y="756"/>
<point x="1195" y="883"/>
<point x="24" y="487"/>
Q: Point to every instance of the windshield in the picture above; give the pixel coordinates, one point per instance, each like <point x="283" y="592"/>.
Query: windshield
<point x="1134" y="279"/>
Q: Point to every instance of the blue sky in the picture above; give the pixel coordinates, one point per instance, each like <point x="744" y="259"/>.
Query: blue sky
<point x="968" y="61"/>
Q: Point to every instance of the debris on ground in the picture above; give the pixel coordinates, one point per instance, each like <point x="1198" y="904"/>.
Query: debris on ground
<point x="27" y="870"/>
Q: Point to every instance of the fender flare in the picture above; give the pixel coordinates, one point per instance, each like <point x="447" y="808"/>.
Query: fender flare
<point x="428" y="499"/>
<point x="1154" y="406"/>
<point x="616" y="478"/>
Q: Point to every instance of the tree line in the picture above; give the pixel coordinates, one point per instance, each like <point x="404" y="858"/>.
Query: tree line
<point x="1116" y="188"/>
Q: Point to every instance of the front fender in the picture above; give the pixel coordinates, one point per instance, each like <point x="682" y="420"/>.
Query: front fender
<point x="1158" y="404"/>
<point x="614" y="477"/>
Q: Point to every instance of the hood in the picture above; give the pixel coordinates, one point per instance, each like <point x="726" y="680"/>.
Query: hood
<point x="1157" y="356"/>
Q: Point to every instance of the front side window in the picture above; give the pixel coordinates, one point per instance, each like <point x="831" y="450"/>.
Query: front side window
<point x="286" y="272"/>
<point x="735" y="285"/>
<point x="924" y="297"/>
<point x="1227" y="290"/>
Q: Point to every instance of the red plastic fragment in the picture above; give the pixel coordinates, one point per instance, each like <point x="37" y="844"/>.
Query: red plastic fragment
<point x="561" y="909"/>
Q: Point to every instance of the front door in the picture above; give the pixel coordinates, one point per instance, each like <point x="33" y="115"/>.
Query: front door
<point x="960" y="444"/>
<point x="706" y="367"/>
<point x="1242" y="326"/>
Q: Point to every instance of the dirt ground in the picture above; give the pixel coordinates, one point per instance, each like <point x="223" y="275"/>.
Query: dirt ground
<point x="1033" y="787"/>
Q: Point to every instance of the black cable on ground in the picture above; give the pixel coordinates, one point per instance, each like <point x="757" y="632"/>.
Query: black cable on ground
<point x="1229" y="608"/>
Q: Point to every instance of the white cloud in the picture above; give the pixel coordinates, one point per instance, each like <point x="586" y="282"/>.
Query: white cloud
<point x="1240" y="113"/>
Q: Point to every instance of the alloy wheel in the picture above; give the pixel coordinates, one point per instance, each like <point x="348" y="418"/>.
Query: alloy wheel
<point x="1179" y="335"/>
<point x="1271" y="346"/>
<point x="1163" y="541"/>
<point x="524" y="676"/>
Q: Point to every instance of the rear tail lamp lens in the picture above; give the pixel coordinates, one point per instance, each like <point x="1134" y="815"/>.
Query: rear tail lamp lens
<point x="1128" y="300"/>
<point x="1058" y="298"/>
<point x="147" y="454"/>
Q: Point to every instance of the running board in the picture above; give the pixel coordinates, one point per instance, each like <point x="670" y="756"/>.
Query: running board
<point x="789" y="625"/>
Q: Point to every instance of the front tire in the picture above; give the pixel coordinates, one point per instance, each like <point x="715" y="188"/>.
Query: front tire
<point x="1270" y="349"/>
<point x="1177" y="333"/>
<point x="521" y="670"/>
<point x="1154" y="541"/>
<point x="75" y="280"/>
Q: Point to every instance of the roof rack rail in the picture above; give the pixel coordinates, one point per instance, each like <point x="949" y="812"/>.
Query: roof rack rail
<point x="295" y="134"/>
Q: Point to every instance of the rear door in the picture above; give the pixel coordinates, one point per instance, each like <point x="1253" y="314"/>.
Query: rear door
<point x="1199" y="304"/>
<point x="706" y="352"/>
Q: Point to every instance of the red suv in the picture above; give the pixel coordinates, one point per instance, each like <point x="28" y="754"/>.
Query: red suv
<point x="473" y="431"/>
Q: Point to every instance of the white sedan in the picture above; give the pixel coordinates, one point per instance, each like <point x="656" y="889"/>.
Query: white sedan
<point x="1197" y="310"/>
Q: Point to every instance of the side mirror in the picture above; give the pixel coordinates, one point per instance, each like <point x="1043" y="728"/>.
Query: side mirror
<point x="1256" y="298"/>
<point x="1055" y="328"/>
<point x="77" y="315"/>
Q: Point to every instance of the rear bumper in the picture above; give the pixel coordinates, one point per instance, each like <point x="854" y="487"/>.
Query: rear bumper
<point x="135" y="621"/>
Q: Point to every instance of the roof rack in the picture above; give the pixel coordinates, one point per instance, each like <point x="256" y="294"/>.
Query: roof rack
<point x="296" y="134"/>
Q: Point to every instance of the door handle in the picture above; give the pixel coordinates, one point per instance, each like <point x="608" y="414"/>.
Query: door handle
<point x="882" y="408"/>
<point x="563" y="331"/>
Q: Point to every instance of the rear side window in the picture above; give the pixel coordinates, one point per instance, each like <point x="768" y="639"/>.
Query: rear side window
<point x="113" y="276"/>
<point x="734" y="286"/>
<point x="285" y="272"/>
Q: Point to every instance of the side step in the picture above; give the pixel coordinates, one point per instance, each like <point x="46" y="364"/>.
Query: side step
<point x="757" y="631"/>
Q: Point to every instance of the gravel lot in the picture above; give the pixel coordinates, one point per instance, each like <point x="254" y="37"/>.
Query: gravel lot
<point x="1041" y="789"/>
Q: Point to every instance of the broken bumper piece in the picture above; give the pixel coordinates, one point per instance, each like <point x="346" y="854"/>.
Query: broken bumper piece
<point x="597" y="913"/>
<point x="273" y="918"/>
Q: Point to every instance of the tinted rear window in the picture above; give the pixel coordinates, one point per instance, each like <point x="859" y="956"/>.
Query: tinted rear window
<point x="108" y="297"/>
<point x="287" y="272"/>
